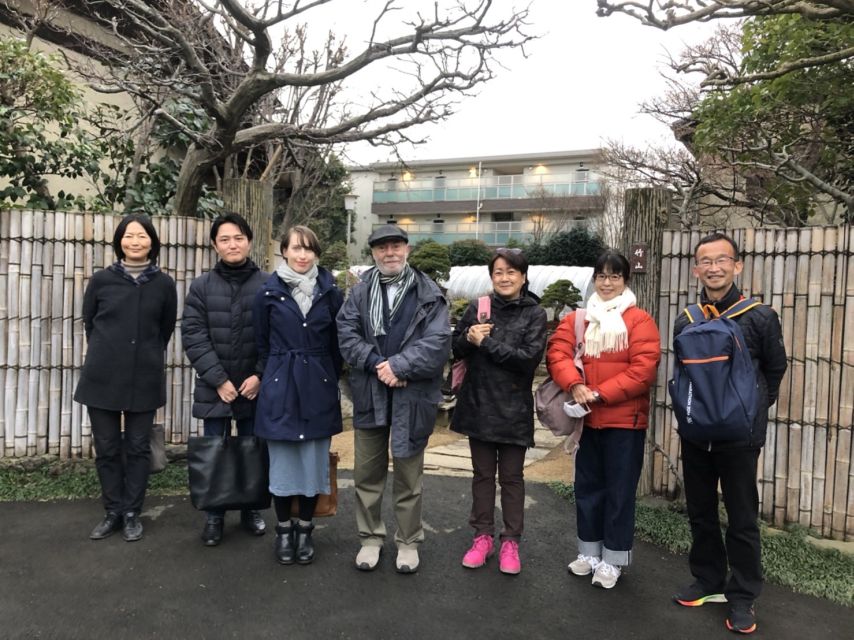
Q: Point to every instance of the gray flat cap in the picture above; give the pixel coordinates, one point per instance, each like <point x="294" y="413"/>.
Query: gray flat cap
<point x="387" y="232"/>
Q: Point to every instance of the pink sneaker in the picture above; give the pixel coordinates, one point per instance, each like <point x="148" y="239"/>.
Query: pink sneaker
<point x="508" y="558"/>
<point x="482" y="548"/>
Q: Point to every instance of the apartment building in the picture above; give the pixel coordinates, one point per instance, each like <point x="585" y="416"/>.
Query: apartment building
<point x="493" y="199"/>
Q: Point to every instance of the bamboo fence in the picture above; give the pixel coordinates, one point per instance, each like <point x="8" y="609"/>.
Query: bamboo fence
<point x="805" y="473"/>
<point x="46" y="260"/>
<point x="253" y="199"/>
<point x="807" y="275"/>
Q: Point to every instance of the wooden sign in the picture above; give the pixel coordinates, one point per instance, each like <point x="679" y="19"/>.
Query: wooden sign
<point x="638" y="257"/>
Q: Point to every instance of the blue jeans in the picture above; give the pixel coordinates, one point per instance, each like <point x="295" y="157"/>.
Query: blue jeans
<point x="216" y="426"/>
<point x="607" y="470"/>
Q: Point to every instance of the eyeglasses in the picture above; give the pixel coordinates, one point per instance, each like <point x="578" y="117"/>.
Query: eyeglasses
<point x="720" y="261"/>
<point x="514" y="251"/>
<point x="613" y="277"/>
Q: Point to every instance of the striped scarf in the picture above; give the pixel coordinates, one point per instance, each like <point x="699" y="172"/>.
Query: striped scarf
<point x="405" y="279"/>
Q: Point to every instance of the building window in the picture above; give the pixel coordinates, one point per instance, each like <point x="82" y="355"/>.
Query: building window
<point x="502" y="216"/>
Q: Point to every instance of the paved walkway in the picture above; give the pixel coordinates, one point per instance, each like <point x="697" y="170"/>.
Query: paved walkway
<point x="454" y="459"/>
<point x="57" y="584"/>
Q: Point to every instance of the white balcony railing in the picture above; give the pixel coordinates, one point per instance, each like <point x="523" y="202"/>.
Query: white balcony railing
<point x="492" y="233"/>
<point x="486" y="188"/>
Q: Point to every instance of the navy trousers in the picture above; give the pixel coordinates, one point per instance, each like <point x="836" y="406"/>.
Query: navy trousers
<point x="607" y="470"/>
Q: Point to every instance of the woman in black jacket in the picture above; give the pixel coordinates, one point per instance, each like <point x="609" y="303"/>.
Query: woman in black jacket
<point x="495" y="405"/>
<point x="129" y="312"/>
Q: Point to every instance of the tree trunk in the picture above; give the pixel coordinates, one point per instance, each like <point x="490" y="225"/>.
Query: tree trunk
<point x="646" y="214"/>
<point x="195" y="167"/>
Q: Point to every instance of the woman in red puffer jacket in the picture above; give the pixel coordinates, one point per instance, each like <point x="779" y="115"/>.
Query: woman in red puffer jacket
<point x="622" y="348"/>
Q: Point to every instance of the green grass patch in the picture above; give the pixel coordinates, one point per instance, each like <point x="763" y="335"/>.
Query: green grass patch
<point x="63" y="481"/>
<point x="788" y="558"/>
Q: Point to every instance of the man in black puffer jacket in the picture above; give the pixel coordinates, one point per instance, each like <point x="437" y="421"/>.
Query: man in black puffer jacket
<point x="219" y="339"/>
<point x="732" y="464"/>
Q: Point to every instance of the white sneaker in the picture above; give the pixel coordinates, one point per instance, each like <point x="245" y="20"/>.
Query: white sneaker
<point x="606" y="575"/>
<point x="584" y="565"/>
<point x="407" y="560"/>
<point x="368" y="557"/>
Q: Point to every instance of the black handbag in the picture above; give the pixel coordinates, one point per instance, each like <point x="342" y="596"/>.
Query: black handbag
<point x="228" y="472"/>
<point x="159" y="461"/>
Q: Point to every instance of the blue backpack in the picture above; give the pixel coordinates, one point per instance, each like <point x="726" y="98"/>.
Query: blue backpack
<point x="714" y="388"/>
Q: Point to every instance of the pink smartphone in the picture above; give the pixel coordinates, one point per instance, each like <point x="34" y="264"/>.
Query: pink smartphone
<point x="484" y="309"/>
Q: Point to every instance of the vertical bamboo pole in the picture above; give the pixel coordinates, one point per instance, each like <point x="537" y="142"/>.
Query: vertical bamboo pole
<point x="822" y="263"/>
<point x="842" y="521"/>
<point x="18" y="429"/>
<point x="26" y="371"/>
<point x="781" y="461"/>
<point x="46" y="294"/>
<point x="7" y="432"/>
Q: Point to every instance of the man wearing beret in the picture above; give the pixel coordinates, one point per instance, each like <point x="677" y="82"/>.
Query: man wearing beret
<point x="394" y="332"/>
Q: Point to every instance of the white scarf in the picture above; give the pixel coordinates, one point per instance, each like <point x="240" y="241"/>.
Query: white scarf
<point x="607" y="332"/>
<point x="302" y="284"/>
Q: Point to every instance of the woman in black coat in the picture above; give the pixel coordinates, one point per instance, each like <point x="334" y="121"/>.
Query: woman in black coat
<point x="495" y="405"/>
<point x="129" y="312"/>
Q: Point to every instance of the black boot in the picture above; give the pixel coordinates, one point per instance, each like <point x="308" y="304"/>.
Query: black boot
<point x="305" y="547"/>
<point x="212" y="533"/>
<point x="253" y="522"/>
<point x="285" y="550"/>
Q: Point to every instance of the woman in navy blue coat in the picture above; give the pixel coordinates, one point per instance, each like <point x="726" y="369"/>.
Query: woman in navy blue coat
<point x="299" y="407"/>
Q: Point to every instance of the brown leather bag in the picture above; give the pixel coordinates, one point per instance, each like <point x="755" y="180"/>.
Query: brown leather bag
<point x="327" y="505"/>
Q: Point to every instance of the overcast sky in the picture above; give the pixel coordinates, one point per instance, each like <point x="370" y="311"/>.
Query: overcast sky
<point x="581" y="83"/>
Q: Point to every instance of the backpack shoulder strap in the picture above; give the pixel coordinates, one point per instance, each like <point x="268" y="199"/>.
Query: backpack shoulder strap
<point x="579" y="338"/>
<point x="742" y="306"/>
<point x="580" y="314"/>
<point x="695" y="313"/>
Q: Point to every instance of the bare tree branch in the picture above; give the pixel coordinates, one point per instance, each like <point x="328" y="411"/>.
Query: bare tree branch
<point x="219" y="54"/>
<point x="665" y="14"/>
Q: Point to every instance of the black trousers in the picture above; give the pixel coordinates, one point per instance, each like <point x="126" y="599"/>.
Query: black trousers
<point x="123" y="460"/>
<point x="509" y="460"/>
<point x="740" y="547"/>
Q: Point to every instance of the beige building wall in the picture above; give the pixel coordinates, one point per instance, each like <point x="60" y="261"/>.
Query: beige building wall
<point x="91" y="98"/>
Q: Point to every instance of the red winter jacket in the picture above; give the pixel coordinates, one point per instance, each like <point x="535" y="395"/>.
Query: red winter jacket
<point x="622" y="378"/>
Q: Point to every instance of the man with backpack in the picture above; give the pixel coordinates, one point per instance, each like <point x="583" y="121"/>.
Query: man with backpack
<point x="721" y="401"/>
